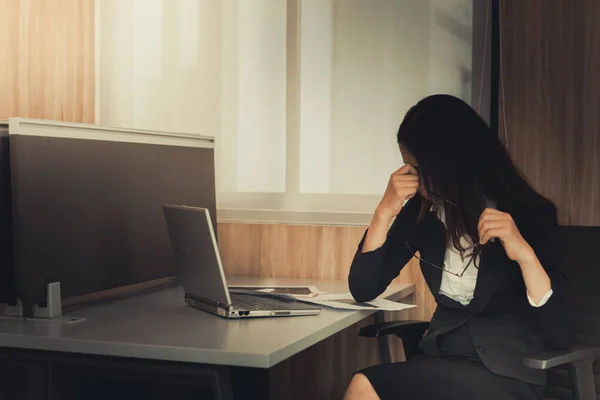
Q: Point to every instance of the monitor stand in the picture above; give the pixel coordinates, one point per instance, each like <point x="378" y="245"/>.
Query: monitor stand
<point x="52" y="310"/>
<point x="53" y="306"/>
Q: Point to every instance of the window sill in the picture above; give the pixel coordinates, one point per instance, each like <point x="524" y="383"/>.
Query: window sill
<point x="293" y="217"/>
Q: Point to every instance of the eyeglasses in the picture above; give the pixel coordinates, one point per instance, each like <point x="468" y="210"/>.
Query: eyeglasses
<point x="473" y="256"/>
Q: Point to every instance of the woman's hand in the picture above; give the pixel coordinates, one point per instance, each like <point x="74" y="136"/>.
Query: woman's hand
<point x="403" y="185"/>
<point x="498" y="224"/>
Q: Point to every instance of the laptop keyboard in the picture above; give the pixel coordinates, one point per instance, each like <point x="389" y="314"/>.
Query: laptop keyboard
<point x="247" y="302"/>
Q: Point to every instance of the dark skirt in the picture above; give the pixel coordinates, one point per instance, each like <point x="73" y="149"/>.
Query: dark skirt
<point x="436" y="378"/>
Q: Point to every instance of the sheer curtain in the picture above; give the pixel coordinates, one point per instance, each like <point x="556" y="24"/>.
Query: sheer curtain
<point x="303" y="96"/>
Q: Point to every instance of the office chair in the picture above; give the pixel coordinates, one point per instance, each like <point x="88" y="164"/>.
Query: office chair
<point x="571" y="373"/>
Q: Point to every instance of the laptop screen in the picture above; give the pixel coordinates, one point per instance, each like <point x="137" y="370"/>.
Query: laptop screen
<point x="196" y="253"/>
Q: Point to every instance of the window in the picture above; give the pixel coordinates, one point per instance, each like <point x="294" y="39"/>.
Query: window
<point x="353" y="70"/>
<point x="362" y="65"/>
<point x="304" y="97"/>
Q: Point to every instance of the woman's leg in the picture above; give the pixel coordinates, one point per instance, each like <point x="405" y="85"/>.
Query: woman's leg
<point x="360" y="389"/>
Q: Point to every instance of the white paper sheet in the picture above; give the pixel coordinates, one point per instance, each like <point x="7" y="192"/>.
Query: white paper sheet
<point x="346" y="302"/>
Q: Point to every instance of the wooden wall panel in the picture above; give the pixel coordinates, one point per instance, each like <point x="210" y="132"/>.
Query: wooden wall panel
<point x="551" y="80"/>
<point x="304" y="251"/>
<point x="47" y="68"/>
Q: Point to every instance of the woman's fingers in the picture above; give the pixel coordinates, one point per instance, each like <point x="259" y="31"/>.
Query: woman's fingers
<point x="490" y="218"/>
<point x="409" y="184"/>
<point x="491" y="233"/>
<point x="402" y="185"/>
<point x="489" y="214"/>
<point x="492" y="223"/>
<point x="487" y="226"/>
<point x="406" y="169"/>
<point x="406" y="177"/>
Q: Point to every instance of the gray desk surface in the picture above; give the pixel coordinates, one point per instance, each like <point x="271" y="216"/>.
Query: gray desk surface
<point x="160" y="326"/>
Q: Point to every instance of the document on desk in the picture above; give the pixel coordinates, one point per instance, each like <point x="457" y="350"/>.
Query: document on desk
<point x="346" y="302"/>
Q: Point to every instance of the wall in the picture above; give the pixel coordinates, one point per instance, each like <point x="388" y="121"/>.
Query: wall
<point x="48" y="64"/>
<point x="551" y="81"/>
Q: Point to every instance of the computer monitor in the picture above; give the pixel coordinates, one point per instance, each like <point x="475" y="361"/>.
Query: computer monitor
<point x="7" y="279"/>
<point x="87" y="203"/>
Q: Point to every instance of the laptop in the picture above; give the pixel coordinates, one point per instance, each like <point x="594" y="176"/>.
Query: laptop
<point x="202" y="277"/>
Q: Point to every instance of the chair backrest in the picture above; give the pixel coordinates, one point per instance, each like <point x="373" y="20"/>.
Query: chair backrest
<point x="580" y="253"/>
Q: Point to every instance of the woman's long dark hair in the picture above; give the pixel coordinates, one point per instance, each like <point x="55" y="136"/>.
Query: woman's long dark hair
<point x="462" y="164"/>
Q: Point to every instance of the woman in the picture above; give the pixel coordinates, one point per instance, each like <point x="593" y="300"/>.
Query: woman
<point x="487" y="246"/>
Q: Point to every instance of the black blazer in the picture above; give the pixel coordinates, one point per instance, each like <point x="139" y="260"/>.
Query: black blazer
<point x="503" y="326"/>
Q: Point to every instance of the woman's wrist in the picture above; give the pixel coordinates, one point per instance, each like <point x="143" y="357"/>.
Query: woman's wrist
<point x="527" y="256"/>
<point x="385" y="213"/>
<point x="382" y="217"/>
<point x="377" y="232"/>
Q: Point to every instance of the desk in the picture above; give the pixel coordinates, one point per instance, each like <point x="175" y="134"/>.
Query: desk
<point x="158" y="329"/>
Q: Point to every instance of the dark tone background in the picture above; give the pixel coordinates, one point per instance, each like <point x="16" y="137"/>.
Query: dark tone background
<point x="7" y="289"/>
<point x="551" y="64"/>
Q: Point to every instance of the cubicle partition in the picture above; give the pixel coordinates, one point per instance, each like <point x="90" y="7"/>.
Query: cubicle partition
<point x="7" y="288"/>
<point x="87" y="203"/>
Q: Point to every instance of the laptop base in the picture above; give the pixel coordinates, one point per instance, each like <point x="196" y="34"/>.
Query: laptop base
<point x="235" y="313"/>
